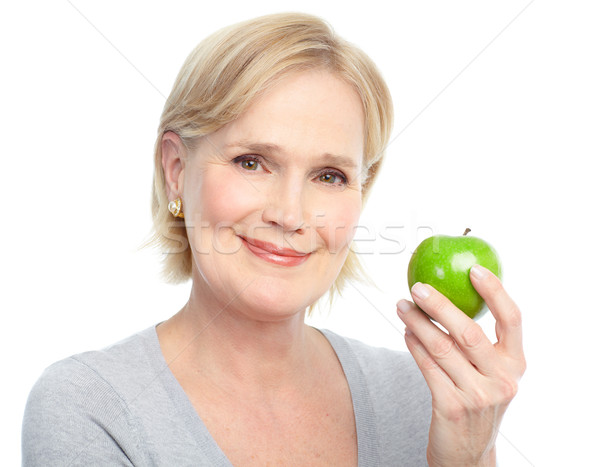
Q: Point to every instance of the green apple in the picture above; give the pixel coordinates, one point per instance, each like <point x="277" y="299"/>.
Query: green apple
<point x="444" y="263"/>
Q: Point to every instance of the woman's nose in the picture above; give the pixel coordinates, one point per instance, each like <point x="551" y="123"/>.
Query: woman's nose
<point x="285" y="206"/>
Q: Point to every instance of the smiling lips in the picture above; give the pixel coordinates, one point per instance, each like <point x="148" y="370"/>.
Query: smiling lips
<point x="275" y="254"/>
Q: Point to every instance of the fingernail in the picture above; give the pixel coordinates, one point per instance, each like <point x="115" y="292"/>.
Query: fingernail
<point x="478" y="272"/>
<point x="407" y="332"/>
<point x="403" y="306"/>
<point x="420" y="291"/>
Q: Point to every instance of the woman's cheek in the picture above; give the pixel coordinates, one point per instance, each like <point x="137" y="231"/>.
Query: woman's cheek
<point x="217" y="206"/>
<point x="226" y="199"/>
<point x="341" y="225"/>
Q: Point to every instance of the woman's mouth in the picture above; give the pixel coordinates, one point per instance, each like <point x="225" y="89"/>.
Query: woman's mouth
<point x="273" y="253"/>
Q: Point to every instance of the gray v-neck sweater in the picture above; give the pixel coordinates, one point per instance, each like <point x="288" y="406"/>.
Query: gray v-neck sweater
<point x="123" y="406"/>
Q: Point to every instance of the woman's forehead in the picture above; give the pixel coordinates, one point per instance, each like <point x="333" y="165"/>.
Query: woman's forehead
<point x="307" y="108"/>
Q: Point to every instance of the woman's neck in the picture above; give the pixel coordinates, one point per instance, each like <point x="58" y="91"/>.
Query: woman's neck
<point x="236" y="349"/>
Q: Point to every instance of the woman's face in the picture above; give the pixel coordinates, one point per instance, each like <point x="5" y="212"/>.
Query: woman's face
<point x="272" y="199"/>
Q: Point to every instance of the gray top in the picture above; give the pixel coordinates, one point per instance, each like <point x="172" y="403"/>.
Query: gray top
<point x="123" y="406"/>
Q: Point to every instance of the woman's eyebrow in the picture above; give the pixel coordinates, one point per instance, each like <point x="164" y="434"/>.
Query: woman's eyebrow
<point x="339" y="160"/>
<point x="265" y="148"/>
<point x="270" y="148"/>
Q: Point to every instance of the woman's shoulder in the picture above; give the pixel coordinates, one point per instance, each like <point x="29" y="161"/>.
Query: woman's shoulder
<point x="119" y="370"/>
<point x="83" y="401"/>
<point x="113" y="367"/>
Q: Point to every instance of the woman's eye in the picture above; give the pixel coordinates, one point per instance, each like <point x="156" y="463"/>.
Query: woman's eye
<point x="247" y="162"/>
<point x="332" y="178"/>
<point x="250" y="165"/>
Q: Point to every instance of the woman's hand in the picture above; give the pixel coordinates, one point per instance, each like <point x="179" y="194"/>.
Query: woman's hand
<point x="472" y="381"/>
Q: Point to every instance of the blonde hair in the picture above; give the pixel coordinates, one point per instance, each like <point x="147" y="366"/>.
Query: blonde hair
<point x="220" y="79"/>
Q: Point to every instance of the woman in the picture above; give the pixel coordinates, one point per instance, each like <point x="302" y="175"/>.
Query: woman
<point x="267" y="149"/>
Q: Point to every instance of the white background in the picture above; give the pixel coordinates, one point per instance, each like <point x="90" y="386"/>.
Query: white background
<point x="497" y="125"/>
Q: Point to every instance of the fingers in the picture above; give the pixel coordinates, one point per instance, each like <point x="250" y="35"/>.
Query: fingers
<point x="437" y="349"/>
<point x="440" y="384"/>
<point x="467" y="334"/>
<point x="508" y="317"/>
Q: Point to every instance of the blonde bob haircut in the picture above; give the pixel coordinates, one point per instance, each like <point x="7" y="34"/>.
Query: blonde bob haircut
<point x="220" y="79"/>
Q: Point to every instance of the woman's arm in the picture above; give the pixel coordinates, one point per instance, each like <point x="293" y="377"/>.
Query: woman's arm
<point x="472" y="381"/>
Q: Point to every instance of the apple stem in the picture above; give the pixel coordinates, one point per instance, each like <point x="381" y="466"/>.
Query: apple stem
<point x="467" y="230"/>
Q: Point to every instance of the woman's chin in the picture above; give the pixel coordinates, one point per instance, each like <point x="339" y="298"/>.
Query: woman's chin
<point x="273" y="305"/>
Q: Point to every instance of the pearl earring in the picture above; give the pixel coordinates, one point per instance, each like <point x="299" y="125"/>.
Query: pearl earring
<point x="175" y="207"/>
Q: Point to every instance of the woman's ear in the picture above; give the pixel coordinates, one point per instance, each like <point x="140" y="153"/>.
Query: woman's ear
<point x="173" y="163"/>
